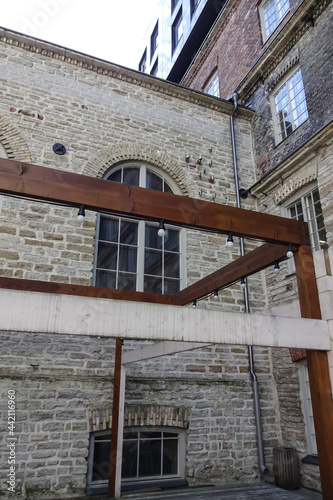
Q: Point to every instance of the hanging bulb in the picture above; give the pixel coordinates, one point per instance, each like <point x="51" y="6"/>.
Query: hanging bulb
<point x="81" y="213"/>
<point x="194" y="303"/>
<point x="161" y="229"/>
<point x="276" y="267"/>
<point x="230" y="241"/>
<point x="216" y="295"/>
<point x="290" y="252"/>
<point x="243" y="283"/>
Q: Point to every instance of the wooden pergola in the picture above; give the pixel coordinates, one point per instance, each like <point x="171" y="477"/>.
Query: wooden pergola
<point x="69" y="189"/>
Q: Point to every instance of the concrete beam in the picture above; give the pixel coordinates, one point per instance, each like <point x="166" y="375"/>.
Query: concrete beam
<point x="52" y="313"/>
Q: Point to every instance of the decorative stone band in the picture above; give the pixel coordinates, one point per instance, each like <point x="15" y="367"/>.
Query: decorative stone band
<point x="296" y="182"/>
<point x="288" y="62"/>
<point x="141" y="416"/>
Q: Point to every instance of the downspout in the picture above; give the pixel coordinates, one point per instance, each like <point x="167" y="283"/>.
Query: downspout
<point x="256" y="396"/>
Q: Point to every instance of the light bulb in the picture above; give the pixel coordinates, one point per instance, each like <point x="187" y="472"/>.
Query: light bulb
<point x="290" y="253"/>
<point x="81" y="213"/>
<point x="276" y="268"/>
<point x="230" y="241"/>
<point x="161" y="229"/>
<point x="216" y="295"/>
<point x="194" y="303"/>
<point x="243" y="283"/>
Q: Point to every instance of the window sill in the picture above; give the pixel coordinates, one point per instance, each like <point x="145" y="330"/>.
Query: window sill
<point x="310" y="459"/>
<point x="101" y="489"/>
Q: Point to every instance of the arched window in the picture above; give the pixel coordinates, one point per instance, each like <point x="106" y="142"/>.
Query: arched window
<point x="129" y="254"/>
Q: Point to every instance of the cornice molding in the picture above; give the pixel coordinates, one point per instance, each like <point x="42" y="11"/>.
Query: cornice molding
<point x="302" y="157"/>
<point x="111" y="70"/>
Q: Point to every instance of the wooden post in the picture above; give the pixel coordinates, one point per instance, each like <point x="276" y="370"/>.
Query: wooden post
<point x="320" y="384"/>
<point x="115" y="419"/>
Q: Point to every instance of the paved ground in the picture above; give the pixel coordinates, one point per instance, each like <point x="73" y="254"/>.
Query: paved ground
<point x="265" y="492"/>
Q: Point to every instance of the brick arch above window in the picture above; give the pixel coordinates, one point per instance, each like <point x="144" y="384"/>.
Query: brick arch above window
<point x="141" y="415"/>
<point x="13" y="144"/>
<point x="108" y="157"/>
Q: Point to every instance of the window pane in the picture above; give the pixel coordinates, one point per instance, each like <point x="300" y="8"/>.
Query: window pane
<point x="153" y="181"/>
<point x="126" y="281"/>
<point x="130" y="435"/>
<point x="171" y="286"/>
<point x="152" y="284"/>
<point x="130" y="459"/>
<point x="150" y="457"/>
<point x="170" y="456"/>
<point x="171" y="240"/>
<point x="131" y="176"/>
<point x="171" y="265"/>
<point x="115" y="176"/>
<point x="101" y="464"/>
<point x="127" y="259"/>
<point x="150" y="435"/>
<point x="129" y="232"/>
<point x="152" y="239"/>
<point x="107" y="256"/>
<point x="106" y="279"/>
<point x="108" y="229"/>
<point x="153" y="262"/>
<point x="170" y="434"/>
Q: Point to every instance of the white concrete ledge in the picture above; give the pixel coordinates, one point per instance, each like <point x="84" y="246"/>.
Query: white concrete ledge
<point x="65" y="314"/>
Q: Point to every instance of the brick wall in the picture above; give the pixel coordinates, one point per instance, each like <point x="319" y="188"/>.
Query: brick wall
<point x="232" y="48"/>
<point x="315" y="50"/>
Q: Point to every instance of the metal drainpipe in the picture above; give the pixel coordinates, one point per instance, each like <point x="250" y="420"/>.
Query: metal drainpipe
<point x="256" y="396"/>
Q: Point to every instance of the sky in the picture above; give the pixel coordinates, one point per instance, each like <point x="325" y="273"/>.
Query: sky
<point x="113" y="30"/>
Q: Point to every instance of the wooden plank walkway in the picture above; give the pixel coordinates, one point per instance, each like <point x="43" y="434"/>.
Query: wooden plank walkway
<point x="245" y="492"/>
<point x="248" y="492"/>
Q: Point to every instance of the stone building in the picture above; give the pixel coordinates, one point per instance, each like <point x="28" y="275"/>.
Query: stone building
<point x="277" y="57"/>
<point x="117" y="122"/>
<point x="189" y="417"/>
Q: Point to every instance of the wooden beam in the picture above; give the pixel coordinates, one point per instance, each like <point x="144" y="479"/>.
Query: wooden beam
<point x="159" y="349"/>
<point x="71" y="189"/>
<point x="115" y="419"/>
<point x="82" y="291"/>
<point x="260" y="258"/>
<point x="320" y="384"/>
<point x="66" y="314"/>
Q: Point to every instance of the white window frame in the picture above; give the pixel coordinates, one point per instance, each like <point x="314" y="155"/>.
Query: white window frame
<point x="150" y="480"/>
<point x="142" y="224"/>
<point x="3" y="153"/>
<point x="279" y="8"/>
<point x="305" y="396"/>
<point x="301" y="196"/>
<point x="212" y="87"/>
<point x="295" y="103"/>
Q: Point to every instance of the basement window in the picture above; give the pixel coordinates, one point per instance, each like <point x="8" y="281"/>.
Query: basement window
<point x="151" y="457"/>
<point x="271" y="14"/>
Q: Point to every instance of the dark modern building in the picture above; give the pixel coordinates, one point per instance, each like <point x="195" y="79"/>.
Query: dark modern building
<point x="176" y="35"/>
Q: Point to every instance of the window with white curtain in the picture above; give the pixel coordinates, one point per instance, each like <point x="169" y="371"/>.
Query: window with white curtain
<point x="129" y="253"/>
<point x="289" y="106"/>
